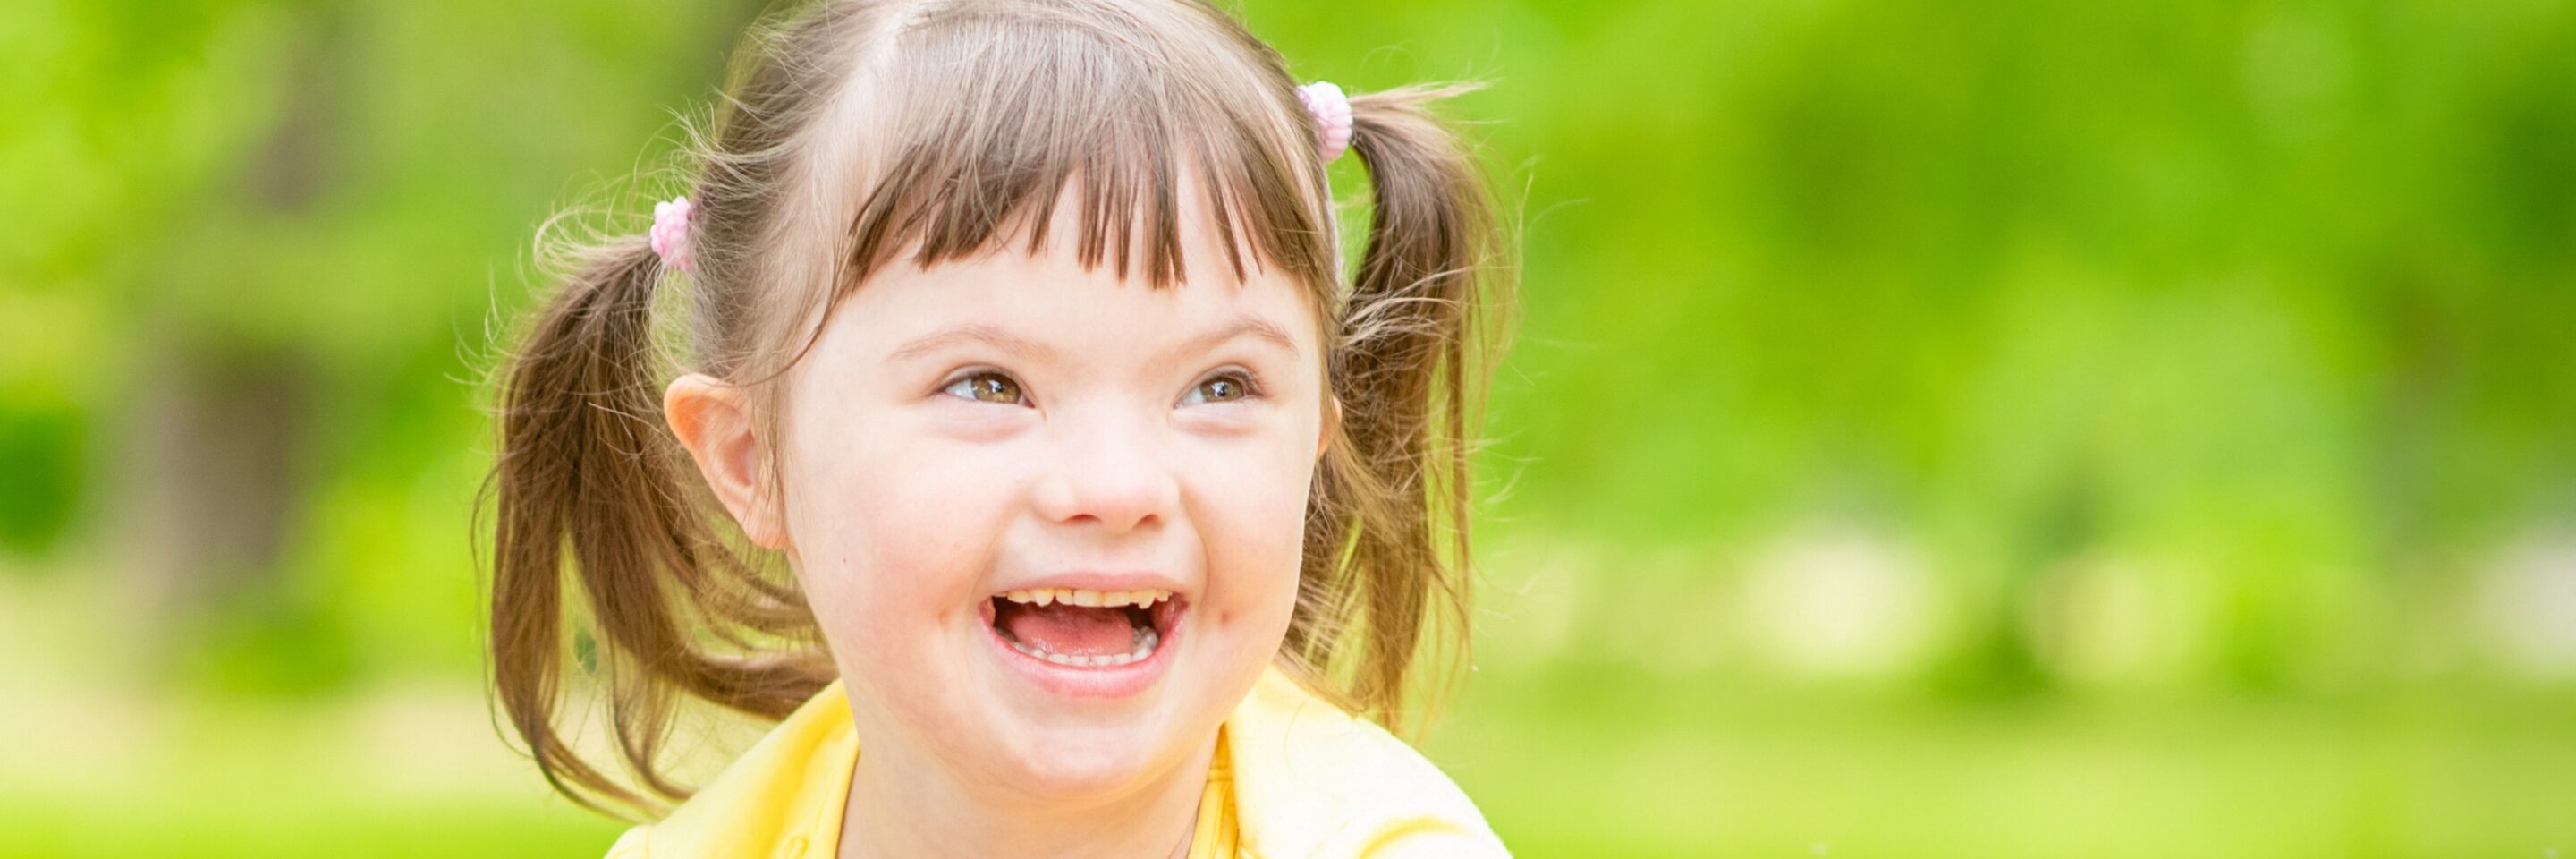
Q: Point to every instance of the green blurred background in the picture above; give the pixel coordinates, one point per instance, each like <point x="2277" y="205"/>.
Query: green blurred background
<point x="1986" y="428"/>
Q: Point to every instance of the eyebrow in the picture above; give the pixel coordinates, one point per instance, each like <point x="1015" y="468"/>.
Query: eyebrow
<point x="972" y="332"/>
<point x="1026" y="349"/>
<point x="1243" y="326"/>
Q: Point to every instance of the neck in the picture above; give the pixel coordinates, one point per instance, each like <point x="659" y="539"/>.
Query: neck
<point x="903" y="807"/>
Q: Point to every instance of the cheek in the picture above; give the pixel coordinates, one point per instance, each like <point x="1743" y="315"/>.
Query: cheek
<point x="884" y="543"/>
<point x="1250" y="510"/>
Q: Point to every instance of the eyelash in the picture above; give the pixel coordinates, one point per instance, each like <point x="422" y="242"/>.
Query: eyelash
<point x="1251" y="384"/>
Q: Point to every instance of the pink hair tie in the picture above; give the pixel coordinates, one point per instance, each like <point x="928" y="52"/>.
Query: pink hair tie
<point x="1332" y="112"/>
<point x="671" y="233"/>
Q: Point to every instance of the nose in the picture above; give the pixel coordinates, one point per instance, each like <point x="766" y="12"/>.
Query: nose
<point x="1107" y="472"/>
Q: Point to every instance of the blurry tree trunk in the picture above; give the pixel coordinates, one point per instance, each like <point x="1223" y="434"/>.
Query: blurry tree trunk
<point x="222" y="418"/>
<point x="216" y="443"/>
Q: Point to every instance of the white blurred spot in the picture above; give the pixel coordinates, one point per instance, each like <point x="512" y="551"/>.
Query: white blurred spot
<point x="2526" y="607"/>
<point x="1838" y="602"/>
<point x="1541" y="590"/>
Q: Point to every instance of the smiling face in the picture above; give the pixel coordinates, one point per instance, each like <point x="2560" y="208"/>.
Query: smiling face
<point x="968" y="441"/>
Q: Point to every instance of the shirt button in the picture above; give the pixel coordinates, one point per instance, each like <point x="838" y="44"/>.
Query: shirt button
<point x="793" y="849"/>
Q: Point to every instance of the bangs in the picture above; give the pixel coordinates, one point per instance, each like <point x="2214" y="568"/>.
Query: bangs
<point x="995" y="115"/>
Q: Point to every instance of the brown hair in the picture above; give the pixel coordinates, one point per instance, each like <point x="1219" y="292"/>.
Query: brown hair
<point x="978" y="116"/>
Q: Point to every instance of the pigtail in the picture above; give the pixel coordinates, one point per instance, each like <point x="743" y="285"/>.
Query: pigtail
<point x="588" y="473"/>
<point x="1389" y="564"/>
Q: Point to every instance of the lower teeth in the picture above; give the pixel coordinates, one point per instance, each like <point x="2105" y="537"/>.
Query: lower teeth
<point x="1146" y="641"/>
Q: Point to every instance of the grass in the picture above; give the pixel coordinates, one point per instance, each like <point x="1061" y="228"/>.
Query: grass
<point x="1636" y="768"/>
<point x="1603" y="762"/>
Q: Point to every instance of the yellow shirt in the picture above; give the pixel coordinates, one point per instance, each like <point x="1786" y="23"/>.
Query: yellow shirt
<point x="1293" y="776"/>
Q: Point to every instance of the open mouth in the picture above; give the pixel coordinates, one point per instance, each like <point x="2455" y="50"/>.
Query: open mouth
<point x="1085" y="628"/>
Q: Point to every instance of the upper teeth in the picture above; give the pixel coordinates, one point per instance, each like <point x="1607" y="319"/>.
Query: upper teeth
<point x="1074" y="596"/>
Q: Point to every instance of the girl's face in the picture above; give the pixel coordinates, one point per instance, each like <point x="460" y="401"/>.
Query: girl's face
<point x="1050" y="520"/>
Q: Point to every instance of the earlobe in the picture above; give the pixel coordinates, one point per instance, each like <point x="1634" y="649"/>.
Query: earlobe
<point x="1332" y="426"/>
<point x="712" y="421"/>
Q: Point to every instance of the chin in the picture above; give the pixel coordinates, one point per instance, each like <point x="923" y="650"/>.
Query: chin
<point x="1095" y="761"/>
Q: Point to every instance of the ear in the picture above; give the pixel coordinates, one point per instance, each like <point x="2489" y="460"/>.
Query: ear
<point x="712" y="420"/>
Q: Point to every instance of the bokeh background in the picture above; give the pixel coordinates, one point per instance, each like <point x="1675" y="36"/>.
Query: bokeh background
<point x="1979" y="428"/>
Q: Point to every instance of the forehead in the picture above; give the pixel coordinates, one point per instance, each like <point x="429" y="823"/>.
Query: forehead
<point x="1049" y="295"/>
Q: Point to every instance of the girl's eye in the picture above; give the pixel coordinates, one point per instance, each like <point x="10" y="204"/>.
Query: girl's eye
<point x="987" y="387"/>
<point x="1220" y="389"/>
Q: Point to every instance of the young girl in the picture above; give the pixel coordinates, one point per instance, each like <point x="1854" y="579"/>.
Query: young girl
<point x="1111" y="509"/>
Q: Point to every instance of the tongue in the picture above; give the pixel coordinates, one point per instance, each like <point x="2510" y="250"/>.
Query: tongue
<point x="1067" y="629"/>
